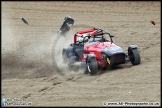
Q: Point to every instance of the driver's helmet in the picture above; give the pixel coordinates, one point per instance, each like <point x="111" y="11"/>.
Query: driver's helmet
<point x="82" y="39"/>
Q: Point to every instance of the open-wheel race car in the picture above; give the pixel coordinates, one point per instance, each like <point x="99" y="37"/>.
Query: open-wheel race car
<point x="94" y="48"/>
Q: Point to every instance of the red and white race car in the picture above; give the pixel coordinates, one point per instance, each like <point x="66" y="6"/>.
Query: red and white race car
<point x="94" y="48"/>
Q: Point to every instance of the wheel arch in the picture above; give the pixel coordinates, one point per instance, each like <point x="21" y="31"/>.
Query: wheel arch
<point x="90" y="56"/>
<point x="132" y="47"/>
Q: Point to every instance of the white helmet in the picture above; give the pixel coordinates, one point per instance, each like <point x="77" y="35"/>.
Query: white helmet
<point x="83" y="38"/>
<point x="80" y="39"/>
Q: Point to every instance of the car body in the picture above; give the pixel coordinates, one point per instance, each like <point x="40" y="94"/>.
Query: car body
<point x="98" y="52"/>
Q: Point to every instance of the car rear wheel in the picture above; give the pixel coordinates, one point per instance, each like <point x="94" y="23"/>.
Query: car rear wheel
<point x="65" y="59"/>
<point x="92" y="66"/>
<point x="68" y="62"/>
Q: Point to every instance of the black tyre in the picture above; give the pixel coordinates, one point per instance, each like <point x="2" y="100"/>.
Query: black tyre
<point x="66" y="59"/>
<point x="68" y="62"/>
<point x="92" y="66"/>
<point x="134" y="56"/>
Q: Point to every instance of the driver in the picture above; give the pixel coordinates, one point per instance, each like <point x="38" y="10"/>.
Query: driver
<point x="83" y="38"/>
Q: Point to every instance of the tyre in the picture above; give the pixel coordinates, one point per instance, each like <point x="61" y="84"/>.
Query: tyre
<point x="68" y="62"/>
<point x="134" y="56"/>
<point x="92" y="66"/>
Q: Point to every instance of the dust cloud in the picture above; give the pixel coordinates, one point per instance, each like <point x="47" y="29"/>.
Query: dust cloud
<point x="29" y="54"/>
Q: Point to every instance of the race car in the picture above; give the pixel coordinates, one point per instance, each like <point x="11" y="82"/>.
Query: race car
<point x="94" y="48"/>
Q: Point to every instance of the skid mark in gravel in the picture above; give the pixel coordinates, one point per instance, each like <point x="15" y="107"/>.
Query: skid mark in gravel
<point x="43" y="89"/>
<point x="56" y="83"/>
<point x="26" y="96"/>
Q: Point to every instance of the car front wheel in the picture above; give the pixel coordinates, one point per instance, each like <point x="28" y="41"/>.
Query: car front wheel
<point x="92" y="66"/>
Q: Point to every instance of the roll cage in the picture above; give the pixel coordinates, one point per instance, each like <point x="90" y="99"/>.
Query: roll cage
<point x="94" y="33"/>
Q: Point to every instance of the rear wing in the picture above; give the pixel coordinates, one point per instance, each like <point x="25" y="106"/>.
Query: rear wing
<point x="68" y="21"/>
